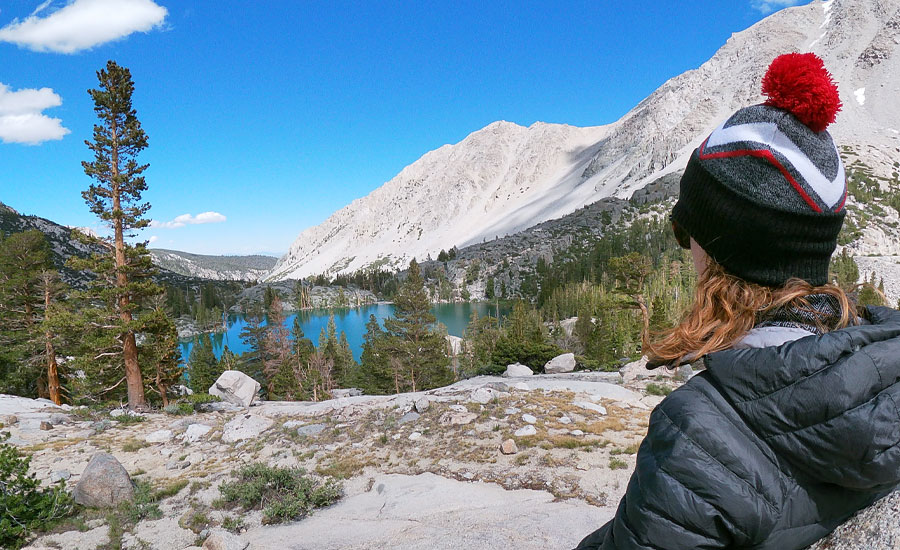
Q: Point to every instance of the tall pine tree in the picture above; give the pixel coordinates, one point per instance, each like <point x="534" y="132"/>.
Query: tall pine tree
<point x="115" y="197"/>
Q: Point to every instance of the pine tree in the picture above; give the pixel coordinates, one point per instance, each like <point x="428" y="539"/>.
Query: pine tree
<point x="278" y="358"/>
<point x="418" y="355"/>
<point x="160" y="356"/>
<point x="253" y="335"/>
<point x="29" y="286"/>
<point x="375" y="373"/>
<point x="202" y="368"/>
<point x="115" y="198"/>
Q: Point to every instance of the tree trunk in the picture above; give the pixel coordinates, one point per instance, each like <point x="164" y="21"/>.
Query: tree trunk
<point x="136" y="399"/>
<point x="52" y="367"/>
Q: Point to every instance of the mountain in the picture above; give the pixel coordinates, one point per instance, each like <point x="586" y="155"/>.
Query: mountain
<point x="63" y="242"/>
<point x="505" y="178"/>
<point x="222" y="268"/>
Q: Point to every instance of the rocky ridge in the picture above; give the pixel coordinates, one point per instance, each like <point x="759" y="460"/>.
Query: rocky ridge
<point x="220" y="268"/>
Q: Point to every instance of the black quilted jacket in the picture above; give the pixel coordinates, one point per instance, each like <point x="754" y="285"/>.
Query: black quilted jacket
<point x="769" y="448"/>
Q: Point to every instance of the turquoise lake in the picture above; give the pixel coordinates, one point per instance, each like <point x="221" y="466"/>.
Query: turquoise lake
<point x="352" y="321"/>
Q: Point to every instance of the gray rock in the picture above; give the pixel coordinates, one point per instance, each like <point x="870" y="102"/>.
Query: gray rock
<point x="59" y="475"/>
<point x="591" y="407"/>
<point x="195" y="432"/>
<point x="456" y="418"/>
<point x="220" y="539"/>
<point x="8" y="419"/>
<point x="346" y="392"/>
<point x="484" y="395"/>
<point x="58" y="419"/>
<point x="415" y="436"/>
<point x="411" y="416"/>
<point x="577" y="432"/>
<point x="235" y="387"/>
<point x="517" y="370"/>
<point x="177" y="464"/>
<point x="530" y="418"/>
<point x="104" y="483"/>
<point x="311" y="429"/>
<point x="521" y="386"/>
<point x="560" y="363"/>
<point x="874" y="528"/>
<point x="245" y="426"/>
<point x="45" y="426"/>
<point x="422" y="404"/>
<point x="526" y="431"/>
<point x="685" y="372"/>
<point x="565" y="420"/>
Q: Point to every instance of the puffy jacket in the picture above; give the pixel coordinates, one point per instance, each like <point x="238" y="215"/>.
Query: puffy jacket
<point x="768" y="448"/>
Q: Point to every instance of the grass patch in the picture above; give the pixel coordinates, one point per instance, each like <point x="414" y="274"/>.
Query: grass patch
<point x="283" y="494"/>
<point x="133" y="445"/>
<point x="629" y="450"/>
<point x="342" y="468"/>
<point x="233" y="524"/>
<point x="617" y="464"/>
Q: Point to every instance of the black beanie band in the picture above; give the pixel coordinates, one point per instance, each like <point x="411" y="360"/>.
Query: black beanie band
<point x="752" y="240"/>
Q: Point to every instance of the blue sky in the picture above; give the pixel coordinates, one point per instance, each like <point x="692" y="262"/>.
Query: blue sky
<point x="265" y="117"/>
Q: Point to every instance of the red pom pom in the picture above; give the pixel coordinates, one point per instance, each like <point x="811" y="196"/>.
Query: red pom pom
<point x="800" y="83"/>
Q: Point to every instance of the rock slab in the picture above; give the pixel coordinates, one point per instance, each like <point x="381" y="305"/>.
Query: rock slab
<point x="220" y="539"/>
<point x="560" y="363"/>
<point x="235" y="387"/>
<point x="245" y="426"/>
<point x="104" y="483"/>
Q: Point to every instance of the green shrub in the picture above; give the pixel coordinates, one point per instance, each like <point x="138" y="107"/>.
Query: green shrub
<point x="617" y="464"/>
<point x="26" y="506"/>
<point x="658" y="389"/>
<point x="283" y="494"/>
<point x="179" y="409"/>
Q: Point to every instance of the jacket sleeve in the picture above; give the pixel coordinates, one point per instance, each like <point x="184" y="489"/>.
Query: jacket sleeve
<point x="696" y="484"/>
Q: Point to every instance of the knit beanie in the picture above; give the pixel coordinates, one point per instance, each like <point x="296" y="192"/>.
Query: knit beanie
<point x="764" y="194"/>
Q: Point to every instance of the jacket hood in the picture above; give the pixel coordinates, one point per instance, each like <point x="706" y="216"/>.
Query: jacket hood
<point x="830" y="404"/>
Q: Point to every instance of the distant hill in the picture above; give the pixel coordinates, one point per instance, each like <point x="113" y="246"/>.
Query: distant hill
<point x="221" y="268"/>
<point x="64" y="245"/>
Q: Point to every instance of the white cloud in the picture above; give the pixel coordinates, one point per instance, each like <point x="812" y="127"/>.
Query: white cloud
<point x="22" y="119"/>
<point x="83" y="24"/>
<point x="768" y="6"/>
<point x="188" y="219"/>
<point x="152" y="239"/>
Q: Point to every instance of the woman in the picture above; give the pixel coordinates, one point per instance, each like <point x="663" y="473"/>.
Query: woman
<point x="795" y="423"/>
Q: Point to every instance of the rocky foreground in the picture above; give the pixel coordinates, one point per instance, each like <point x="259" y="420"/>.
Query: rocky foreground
<point x="529" y="462"/>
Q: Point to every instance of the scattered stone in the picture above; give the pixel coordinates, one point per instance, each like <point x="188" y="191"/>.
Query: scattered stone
<point x="411" y="416"/>
<point x="59" y="475"/>
<point x="531" y="419"/>
<point x="484" y="395"/>
<point x="159" y="436"/>
<point x="182" y="390"/>
<point x="45" y="426"/>
<point x="635" y="370"/>
<point x="160" y="534"/>
<point x="526" y="431"/>
<point x="195" y="432"/>
<point x="613" y="392"/>
<point x="459" y="408"/>
<point x="517" y="370"/>
<point x="346" y="392"/>
<point x="8" y="419"/>
<point x="456" y="418"/>
<point x="565" y="420"/>
<point x="415" y="436"/>
<point x="591" y="406"/>
<point x="509" y="447"/>
<point x="291" y="424"/>
<point x="577" y="432"/>
<point x="220" y="539"/>
<point x="104" y="483"/>
<point x="522" y="386"/>
<point x="58" y="419"/>
<point x="166" y="452"/>
<point x="177" y="464"/>
<point x="422" y="404"/>
<point x="560" y="363"/>
<point x="245" y="426"/>
<point x="311" y="429"/>
<point x="115" y="413"/>
<point x="235" y="387"/>
<point x="511" y="410"/>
